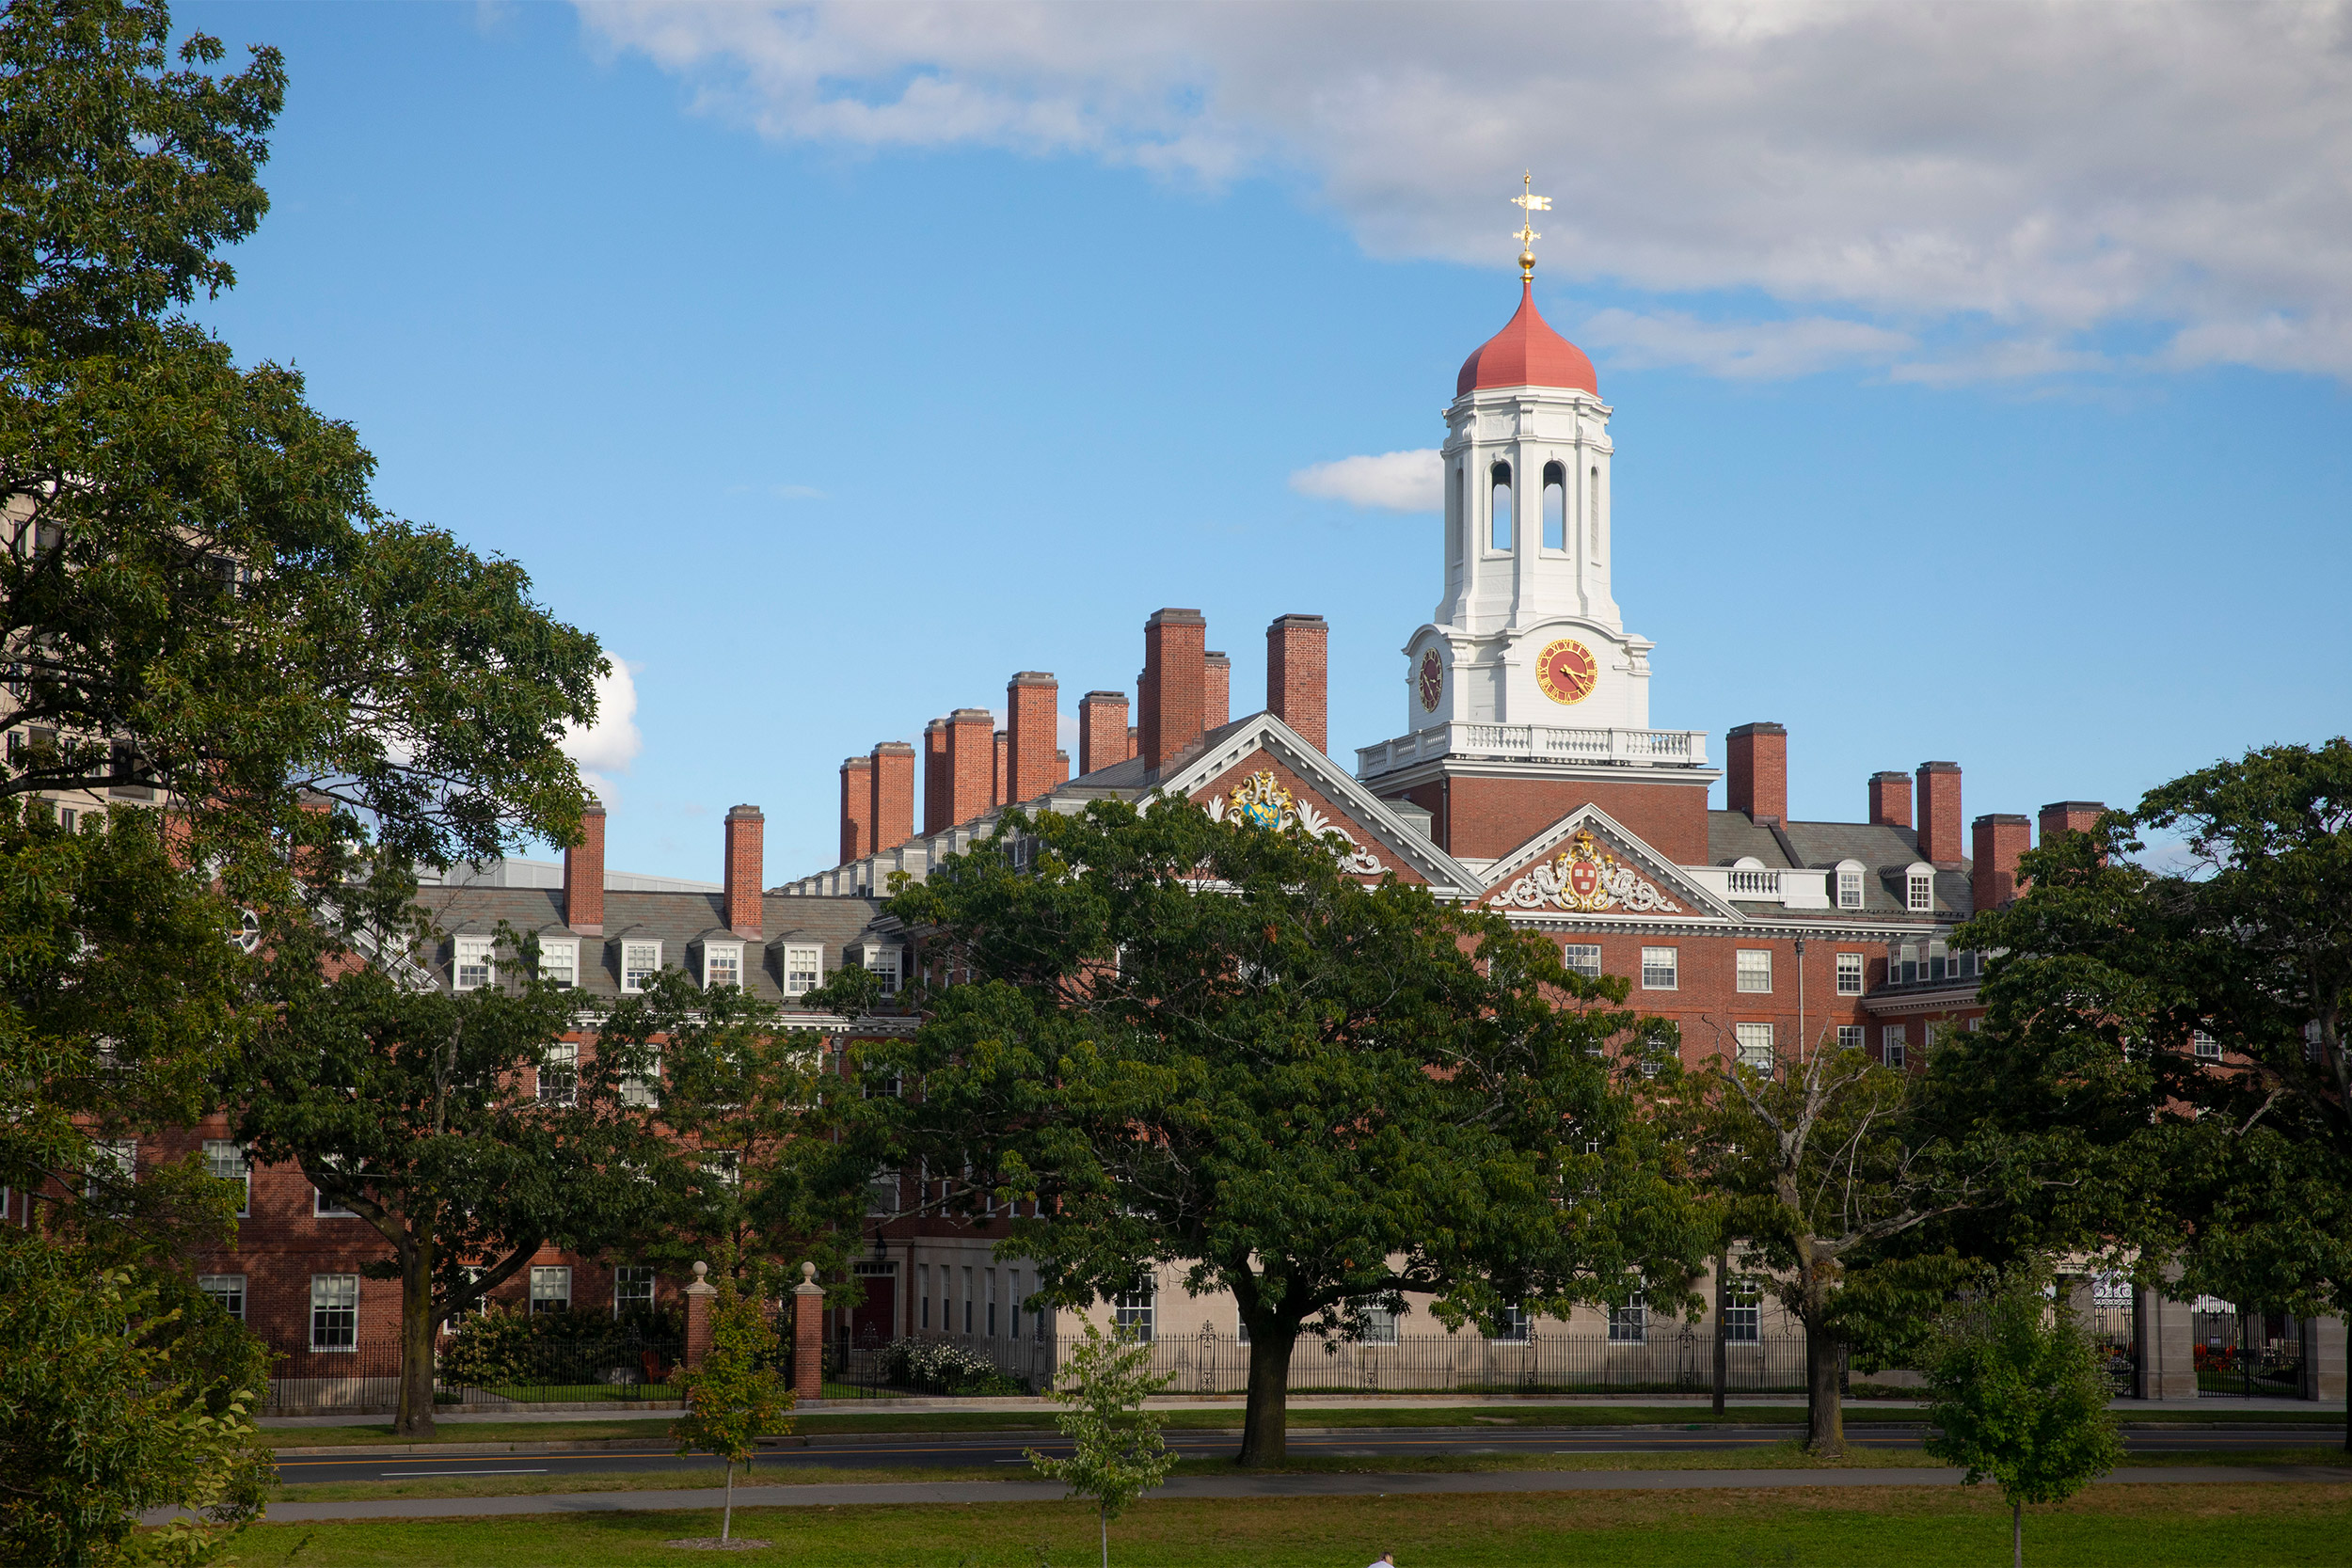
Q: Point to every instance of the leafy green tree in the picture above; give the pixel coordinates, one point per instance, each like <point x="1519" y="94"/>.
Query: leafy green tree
<point x="199" y="598"/>
<point x="123" y="1389"/>
<point x="468" y="1129"/>
<point x="2020" y="1396"/>
<point x="768" y="1168"/>
<point x="1200" y="1042"/>
<point x="1820" y="1165"/>
<point x="2176" y="1036"/>
<point x="1117" y="1454"/>
<point x="737" y="1396"/>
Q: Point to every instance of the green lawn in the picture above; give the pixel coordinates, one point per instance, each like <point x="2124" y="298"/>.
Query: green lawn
<point x="2149" y="1526"/>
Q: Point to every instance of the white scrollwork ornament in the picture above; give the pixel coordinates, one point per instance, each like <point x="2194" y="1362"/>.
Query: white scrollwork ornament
<point x="1586" y="877"/>
<point x="1261" y="800"/>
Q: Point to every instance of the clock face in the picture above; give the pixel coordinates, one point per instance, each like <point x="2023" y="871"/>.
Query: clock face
<point x="1431" y="682"/>
<point x="1567" y="672"/>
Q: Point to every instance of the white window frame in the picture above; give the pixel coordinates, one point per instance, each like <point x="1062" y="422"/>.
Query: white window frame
<point x="1514" y="1326"/>
<point x="1752" y="970"/>
<point x="318" y="1211"/>
<point x="478" y="955"/>
<point x="1755" y="1041"/>
<point x="1629" y="1324"/>
<point x="1379" y="1326"/>
<point x="336" y="1293"/>
<point x="725" y="952"/>
<point x="804" y="968"/>
<point x="1583" y="957"/>
<point x="559" y="1075"/>
<point x="559" y="963"/>
<point x="546" y="1280"/>
<point x="1744" y="1317"/>
<point x="220" y="1156"/>
<point x="1850" y="969"/>
<point x="1138" y="1310"/>
<point x="881" y="1192"/>
<point x="1851" y="1037"/>
<point x="883" y="962"/>
<point x="1920" y="889"/>
<point x="642" y="972"/>
<point x="1667" y="960"/>
<point x="2204" y="1046"/>
<point x="1849" y="880"/>
<point x="1895" y="1044"/>
<point x="227" y="1290"/>
<point x="643" y="1090"/>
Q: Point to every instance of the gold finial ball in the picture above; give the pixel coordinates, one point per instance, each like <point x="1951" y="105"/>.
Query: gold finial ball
<point x="1527" y="261"/>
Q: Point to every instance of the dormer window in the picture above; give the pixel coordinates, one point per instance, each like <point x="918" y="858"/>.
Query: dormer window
<point x="639" y="962"/>
<point x="803" y="968"/>
<point x="1919" y="890"/>
<point x="722" y="964"/>
<point x="882" y="963"/>
<point x="1849" y="885"/>
<point x="559" y="963"/>
<point x="475" y="963"/>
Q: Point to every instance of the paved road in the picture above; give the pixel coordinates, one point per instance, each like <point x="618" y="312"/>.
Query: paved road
<point x="918" y="1451"/>
<point x="830" y="1495"/>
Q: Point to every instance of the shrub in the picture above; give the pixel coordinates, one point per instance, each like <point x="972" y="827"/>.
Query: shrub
<point x="941" y="1367"/>
<point x="504" y="1346"/>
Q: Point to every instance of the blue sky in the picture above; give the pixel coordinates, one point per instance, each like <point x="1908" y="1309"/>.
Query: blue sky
<point x="826" y="422"/>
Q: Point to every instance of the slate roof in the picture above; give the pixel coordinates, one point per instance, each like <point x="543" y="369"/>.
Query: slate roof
<point x="677" y="920"/>
<point x="1887" y="852"/>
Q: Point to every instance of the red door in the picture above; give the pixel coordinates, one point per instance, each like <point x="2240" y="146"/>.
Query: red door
<point x="874" y="1321"/>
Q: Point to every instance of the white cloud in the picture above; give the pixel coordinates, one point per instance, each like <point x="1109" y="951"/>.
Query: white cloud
<point x="1392" y="481"/>
<point x="612" y="743"/>
<point x="1748" y="350"/>
<point x="2040" y="171"/>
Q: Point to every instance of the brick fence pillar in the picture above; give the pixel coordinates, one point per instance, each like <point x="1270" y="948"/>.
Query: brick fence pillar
<point x="808" y="1336"/>
<point x="698" y="1296"/>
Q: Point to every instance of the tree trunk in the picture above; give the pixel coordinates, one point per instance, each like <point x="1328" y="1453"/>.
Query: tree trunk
<point x="1102" y="1512"/>
<point x="726" y="1519"/>
<point x="2018" y="1533"/>
<point x="1265" y="1427"/>
<point x="416" y="1340"/>
<point x="1723" y="1298"/>
<point x="1825" y="1414"/>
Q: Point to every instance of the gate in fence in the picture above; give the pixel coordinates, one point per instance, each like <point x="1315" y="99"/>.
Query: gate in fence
<point x="2245" y="1352"/>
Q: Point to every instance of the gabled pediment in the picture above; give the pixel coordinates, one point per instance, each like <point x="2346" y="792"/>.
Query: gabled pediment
<point x="1383" y="839"/>
<point x="1588" y="862"/>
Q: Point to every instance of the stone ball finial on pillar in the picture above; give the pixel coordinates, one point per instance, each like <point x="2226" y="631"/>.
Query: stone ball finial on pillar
<point x="808" y="1344"/>
<point x="698" y="1296"/>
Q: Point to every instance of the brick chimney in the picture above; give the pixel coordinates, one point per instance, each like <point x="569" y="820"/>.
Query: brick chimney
<point x="1031" y="700"/>
<point x="1004" y="744"/>
<point x="1757" y="780"/>
<point x="1297" y="674"/>
<point x="583" y="873"/>
<point x="1999" y="841"/>
<point x="938" y="794"/>
<point x="1939" y="812"/>
<point x="1061" y="768"/>
<point x="1890" y="799"/>
<point x="1170" y="696"/>
<point x="2069" y="816"/>
<point x="1216" y="691"/>
<point x="892" y="784"/>
<point x="1101" y="730"/>
<point x="971" y="764"/>
<point x="747" y="868"/>
<point x="857" y="808"/>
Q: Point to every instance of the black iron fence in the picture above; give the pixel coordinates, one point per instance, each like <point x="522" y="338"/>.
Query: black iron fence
<point x="2114" y="1328"/>
<point x="2245" y="1352"/>
<point x="589" y="1369"/>
<point x="1667" y="1361"/>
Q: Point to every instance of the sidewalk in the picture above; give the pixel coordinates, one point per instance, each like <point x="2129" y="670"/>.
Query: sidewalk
<point x="1223" y="1486"/>
<point x="1031" y="1405"/>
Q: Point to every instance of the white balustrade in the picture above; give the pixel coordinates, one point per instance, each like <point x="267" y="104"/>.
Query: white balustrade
<point x="1537" y="743"/>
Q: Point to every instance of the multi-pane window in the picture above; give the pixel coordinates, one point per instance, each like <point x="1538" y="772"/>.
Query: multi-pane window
<point x="558" y="963"/>
<point x="633" y="1289"/>
<point x="1582" y="958"/>
<point x="1135" y="1310"/>
<point x="642" y="1089"/>
<point x="1919" y="891"/>
<point x="803" y="969"/>
<point x="1379" y="1326"/>
<point x="1850" y="974"/>
<point x="2208" y="1049"/>
<point x="476" y="965"/>
<point x="1849" y="887"/>
<point x="1893" y="1038"/>
<point x="1754" y="970"/>
<point x="1742" y="1317"/>
<point x="326" y="1207"/>
<point x="559" y="1073"/>
<point x="882" y="963"/>
<point x="2312" y="1041"/>
<point x="1629" y="1324"/>
<point x="722" y="966"/>
<point x="225" y="1161"/>
<point x="334" y="1311"/>
<point x="639" y="962"/>
<point x="227" y="1290"/>
<point x="1850" y="1037"/>
<point x="1661" y="968"/>
<point x="550" y="1290"/>
<point x="1756" y="1045"/>
<point x="726" y="1167"/>
<point x="881" y="1192"/>
<point x="1512" y="1326"/>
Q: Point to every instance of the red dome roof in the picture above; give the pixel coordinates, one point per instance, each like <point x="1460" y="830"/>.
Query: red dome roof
<point x="1527" y="353"/>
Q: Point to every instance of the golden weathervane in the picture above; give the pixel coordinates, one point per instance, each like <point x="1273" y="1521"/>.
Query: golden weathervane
<point x="1528" y="204"/>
